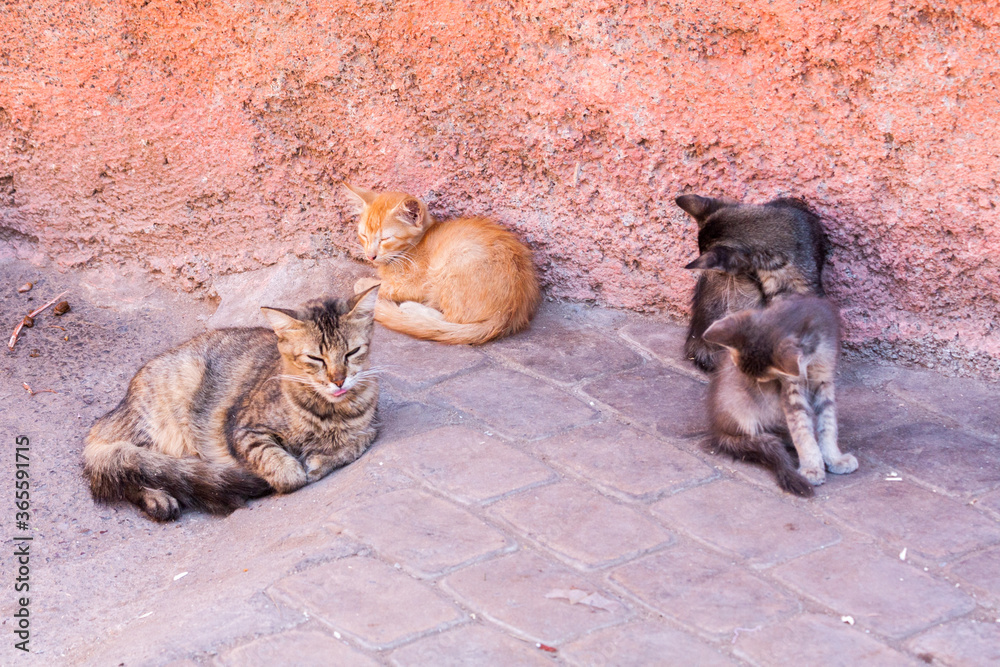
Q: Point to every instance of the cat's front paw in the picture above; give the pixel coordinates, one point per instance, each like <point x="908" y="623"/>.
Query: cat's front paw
<point x="318" y="466"/>
<point x="815" y="476"/>
<point x="287" y="476"/>
<point x="843" y="465"/>
<point x="363" y="284"/>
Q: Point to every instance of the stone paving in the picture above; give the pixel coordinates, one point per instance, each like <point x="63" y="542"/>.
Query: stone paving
<point x="542" y="500"/>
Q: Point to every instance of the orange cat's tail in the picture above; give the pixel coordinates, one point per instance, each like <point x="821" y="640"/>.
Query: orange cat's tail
<point x="419" y="321"/>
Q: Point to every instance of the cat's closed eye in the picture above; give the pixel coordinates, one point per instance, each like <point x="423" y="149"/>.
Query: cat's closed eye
<point x="352" y="352"/>
<point x="312" y="361"/>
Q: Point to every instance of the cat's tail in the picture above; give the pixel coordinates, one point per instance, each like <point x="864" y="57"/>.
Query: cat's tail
<point x="161" y="484"/>
<point x="769" y="451"/>
<point x="420" y="321"/>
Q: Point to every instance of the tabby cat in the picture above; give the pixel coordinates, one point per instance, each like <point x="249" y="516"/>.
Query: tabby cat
<point x="237" y="413"/>
<point x="775" y="379"/>
<point x="750" y="255"/>
<point x="456" y="281"/>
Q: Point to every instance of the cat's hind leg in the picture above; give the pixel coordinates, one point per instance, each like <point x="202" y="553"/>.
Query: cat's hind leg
<point x="415" y="308"/>
<point x="826" y="428"/>
<point x="158" y="504"/>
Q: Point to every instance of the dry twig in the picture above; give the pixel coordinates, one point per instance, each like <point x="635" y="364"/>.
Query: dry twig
<point x="36" y="311"/>
<point x="32" y="392"/>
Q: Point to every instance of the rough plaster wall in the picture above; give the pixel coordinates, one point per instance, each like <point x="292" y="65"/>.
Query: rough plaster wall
<point x="202" y="138"/>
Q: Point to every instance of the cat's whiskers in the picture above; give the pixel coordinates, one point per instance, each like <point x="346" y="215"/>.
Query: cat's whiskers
<point x="402" y="257"/>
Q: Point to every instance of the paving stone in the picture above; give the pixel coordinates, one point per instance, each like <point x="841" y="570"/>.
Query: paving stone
<point x="641" y="644"/>
<point x="468" y="465"/>
<point x="295" y="647"/>
<point x="399" y="417"/>
<point x="420" y="363"/>
<point x="890" y="597"/>
<point x="990" y="502"/>
<point x="426" y="535"/>
<point x="581" y="524"/>
<point x="511" y="590"/>
<point x="515" y="404"/>
<point x="963" y="642"/>
<point x="704" y="590"/>
<point x="472" y="644"/>
<point x="624" y="461"/>
<point x="815" y="639"/>
<point x="952" y="460"/>
<point x="973" y="405"/>
<point x="981" y="571"/>
<point x="760" y="528"/>
<point x="651" y="394"/>
<point x="922" y="521"/>
<point x="371" y="601"/>
<point x="862" y="411"/>
<point x="664" y="340"/>
<point x="565" y="351"/>
<point x="370" y="476"/>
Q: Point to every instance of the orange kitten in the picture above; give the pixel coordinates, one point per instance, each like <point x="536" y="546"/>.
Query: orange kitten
<point x="458" y="281"/>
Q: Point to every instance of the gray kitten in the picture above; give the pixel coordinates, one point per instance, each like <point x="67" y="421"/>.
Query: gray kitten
<point x="750" y="255"/>
<point x="775" y="379"/>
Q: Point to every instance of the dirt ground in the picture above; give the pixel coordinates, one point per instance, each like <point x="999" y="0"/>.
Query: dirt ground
<point x="540" y="500"/>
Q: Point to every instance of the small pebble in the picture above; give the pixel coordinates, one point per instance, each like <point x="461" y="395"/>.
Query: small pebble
<point x="61" y="308"/>
<point x="26" y="287"/>
<point x="29" y="321"/>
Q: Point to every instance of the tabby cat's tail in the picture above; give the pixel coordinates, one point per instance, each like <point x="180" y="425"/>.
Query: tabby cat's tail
<point x="769" y="451"/>
<point x="122" y="471"/>
<point x="419" y="321"/>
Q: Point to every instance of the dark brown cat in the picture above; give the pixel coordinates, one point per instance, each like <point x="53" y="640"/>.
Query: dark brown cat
<point x="750" y="255"/>
<point x="774" y="380"/>
<point x="236" y="413"/>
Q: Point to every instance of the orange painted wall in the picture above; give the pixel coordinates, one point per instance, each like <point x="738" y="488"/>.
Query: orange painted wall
<point x="201" y="138"/>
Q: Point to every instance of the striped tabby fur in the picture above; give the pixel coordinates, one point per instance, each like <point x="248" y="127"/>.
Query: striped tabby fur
<point x="237" y="413"/>
<point x="776" y="381"/>
<point x="750" y="255"/>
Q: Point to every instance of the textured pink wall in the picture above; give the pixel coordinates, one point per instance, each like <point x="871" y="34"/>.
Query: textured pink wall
<point x="200" y="138"/>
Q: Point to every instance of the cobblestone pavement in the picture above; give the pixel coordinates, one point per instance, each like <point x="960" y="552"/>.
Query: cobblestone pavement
<point x="541" y="500"/>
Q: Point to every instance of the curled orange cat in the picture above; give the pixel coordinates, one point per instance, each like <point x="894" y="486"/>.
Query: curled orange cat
<point x="462" y="281"/>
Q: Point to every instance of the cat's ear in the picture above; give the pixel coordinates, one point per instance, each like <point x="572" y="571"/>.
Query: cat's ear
<point x="358" y="196"/>
<point x="281" y="320"/>
<point x="722" y="258"/>
<point x="411" y="211"/>
<point x="723" y="332"/>
<point x="788" y="358"/>
<point x="362" y="306"/>
<point x="700" y="208"/>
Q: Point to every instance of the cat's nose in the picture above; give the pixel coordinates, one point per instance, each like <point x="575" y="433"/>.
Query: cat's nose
<point x="338" y="379"/>
<point x="372" y="257"/>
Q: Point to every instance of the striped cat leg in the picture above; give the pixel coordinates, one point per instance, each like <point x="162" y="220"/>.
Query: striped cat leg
<point x="320" y="464"/>
<point x="826" y="427"/>
<point x="799" y="416"/>
<point x="266" y="459"/>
